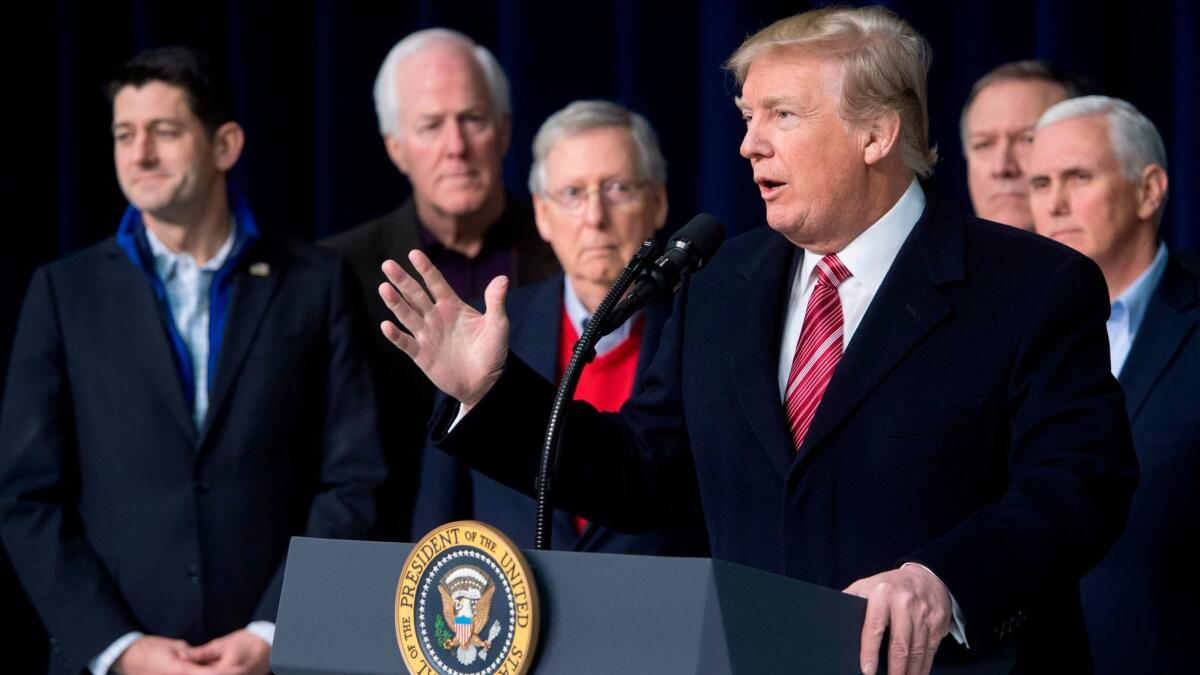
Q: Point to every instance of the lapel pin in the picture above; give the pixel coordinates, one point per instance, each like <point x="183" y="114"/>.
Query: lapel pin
<point x="260" y="269"/>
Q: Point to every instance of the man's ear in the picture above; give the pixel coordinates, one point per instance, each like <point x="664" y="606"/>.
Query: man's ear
<point x="539" y="217"/>
<point x="228" y="141"/>
<point x="880" y="137"/>
<point x="1151" y="191"/>
<point x="397" y="152"/>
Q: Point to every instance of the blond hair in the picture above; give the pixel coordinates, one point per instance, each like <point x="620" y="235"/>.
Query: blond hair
<point x="884" y="66"/>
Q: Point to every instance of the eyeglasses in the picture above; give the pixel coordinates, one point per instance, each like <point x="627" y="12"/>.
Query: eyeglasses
<point x="613" y="192"/>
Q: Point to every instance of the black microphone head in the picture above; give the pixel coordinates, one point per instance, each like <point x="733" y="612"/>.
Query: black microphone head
<point x="704" y="232"/>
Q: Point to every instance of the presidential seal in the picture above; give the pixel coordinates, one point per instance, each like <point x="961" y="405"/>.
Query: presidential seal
<point x="466" y="603"/>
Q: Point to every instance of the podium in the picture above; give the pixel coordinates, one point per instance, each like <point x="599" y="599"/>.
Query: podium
<point x="600" y="613"/>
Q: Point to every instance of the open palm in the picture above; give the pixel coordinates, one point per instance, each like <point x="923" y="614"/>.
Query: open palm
<point x="460" y="350"/>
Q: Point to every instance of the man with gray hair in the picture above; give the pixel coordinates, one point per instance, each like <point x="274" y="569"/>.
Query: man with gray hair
<point x="444" y="115"/>
<point x="1098" y="177"/>
<point x="599" y="185"/>
<point x="997" y="128"/>
<point x="877" y="393"/>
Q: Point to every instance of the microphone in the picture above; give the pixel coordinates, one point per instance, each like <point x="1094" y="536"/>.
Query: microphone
<point x="686" y="252"/>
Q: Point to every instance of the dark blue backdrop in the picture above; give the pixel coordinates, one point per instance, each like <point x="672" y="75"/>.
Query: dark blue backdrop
<point x="314" y="163"/>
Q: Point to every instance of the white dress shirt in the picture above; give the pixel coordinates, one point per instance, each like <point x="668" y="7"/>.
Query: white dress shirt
<point x="868" y="257"/>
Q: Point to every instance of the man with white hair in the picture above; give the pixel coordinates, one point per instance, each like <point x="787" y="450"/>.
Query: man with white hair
<point x="1098" y="174"/>
<point x="599" y="185"/>
<point x="875" y="393"/>
<point x="444" y="114"/>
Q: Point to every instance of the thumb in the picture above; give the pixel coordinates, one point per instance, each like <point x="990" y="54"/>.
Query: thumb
<point x="493" y="299"/>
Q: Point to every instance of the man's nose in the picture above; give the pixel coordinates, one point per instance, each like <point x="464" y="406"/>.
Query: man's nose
<point x="454" y="138"/>
<point x="144" y="150"/>
<point x="594" y="213"/>
<point x="1004" y="161"/>
<point x="1060" y="202"/>
<point x="754" y="143"/>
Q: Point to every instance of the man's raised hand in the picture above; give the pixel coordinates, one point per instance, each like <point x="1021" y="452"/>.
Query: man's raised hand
<point x="460" y="350"/>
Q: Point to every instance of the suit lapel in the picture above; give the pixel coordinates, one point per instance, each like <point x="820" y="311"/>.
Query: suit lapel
<point x="536" y="325"/>
<point x="907" y="305"/>
<point x="752" y="321"/>
<point x="143" y="324"/>
<point x="248" y="304"/>
<point x="1164" y="329"/>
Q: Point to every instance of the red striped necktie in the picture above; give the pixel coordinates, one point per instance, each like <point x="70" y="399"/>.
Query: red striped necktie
<point x="819" y="348"/>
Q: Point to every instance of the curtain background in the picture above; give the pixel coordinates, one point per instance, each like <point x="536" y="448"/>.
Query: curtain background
<point x="314" y="163"/>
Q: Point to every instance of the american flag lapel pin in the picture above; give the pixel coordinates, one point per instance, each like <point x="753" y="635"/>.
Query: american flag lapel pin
<point x="260" y="269"/>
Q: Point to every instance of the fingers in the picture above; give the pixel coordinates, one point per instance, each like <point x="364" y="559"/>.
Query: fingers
<point x="906" y="647"/>
<point x="408" y="287"/>
<point x="400" y="307"/>
<point x="493" y="298"/>
<point x="403" y="341"/>
<point x="205" y="653"/>
<point x="872" y="634"/>
<point x="438" y="287"/>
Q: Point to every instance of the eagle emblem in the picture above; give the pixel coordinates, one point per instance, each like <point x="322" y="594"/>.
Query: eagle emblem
<point x="466" y="593"/>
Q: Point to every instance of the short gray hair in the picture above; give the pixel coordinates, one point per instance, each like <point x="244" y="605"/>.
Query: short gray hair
<point x="387" y="100"/>
<point x="582" y="116"/>
<point x="1029" y="70"/>
<point x="1135" y="140"/>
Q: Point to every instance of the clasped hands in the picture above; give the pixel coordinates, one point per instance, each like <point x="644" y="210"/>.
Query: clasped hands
<point x="238" y="653"/>
<point x="463" y="352"/>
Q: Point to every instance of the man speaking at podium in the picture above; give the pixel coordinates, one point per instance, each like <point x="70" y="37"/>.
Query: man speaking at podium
<point x="877" y="393"/>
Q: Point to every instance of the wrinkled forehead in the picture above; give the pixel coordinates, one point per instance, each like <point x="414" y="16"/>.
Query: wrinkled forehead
<point x="793" y="76"/>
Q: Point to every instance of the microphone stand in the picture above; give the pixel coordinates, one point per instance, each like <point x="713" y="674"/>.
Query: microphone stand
<point x="583" y="353"/>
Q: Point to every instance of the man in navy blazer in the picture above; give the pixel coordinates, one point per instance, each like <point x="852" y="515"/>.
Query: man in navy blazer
<point x="967" y="458"/>
<point x="598" y="182"/>
<point x="1099" y="184"/>
<point x="183" y="398"/>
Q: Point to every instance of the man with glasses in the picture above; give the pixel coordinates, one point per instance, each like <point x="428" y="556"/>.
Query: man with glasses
<point x="443" y="109"/>
<point x="599" y="190"/>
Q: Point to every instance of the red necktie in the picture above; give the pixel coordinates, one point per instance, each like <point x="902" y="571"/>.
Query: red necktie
<point x="819" y="348"/>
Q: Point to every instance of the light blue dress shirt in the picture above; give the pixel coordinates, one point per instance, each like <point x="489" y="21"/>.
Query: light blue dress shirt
<point x="187" y="286"/>
<point x="1129" y="309"/>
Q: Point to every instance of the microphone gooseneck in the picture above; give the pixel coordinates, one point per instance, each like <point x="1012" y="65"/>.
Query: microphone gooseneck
<point x="656" y="278"/>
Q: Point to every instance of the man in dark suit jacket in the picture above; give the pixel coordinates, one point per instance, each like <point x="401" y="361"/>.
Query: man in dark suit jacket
<point x="1139" y="602"/>
<point x="968" y="459"/>
<point x="599" y="190"/>
<point x="443" y="109"/>
<point x="183" y="398"/>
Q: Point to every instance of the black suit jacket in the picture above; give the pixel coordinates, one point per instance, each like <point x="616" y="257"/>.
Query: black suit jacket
<point x="972" y="426"/>
<point x="449" y="490"/>
<point x="119" y="514"/>
<point x="1140" y="602"/>
<point x="404" y="392"/>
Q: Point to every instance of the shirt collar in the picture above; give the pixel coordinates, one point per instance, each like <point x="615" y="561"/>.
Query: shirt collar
<point x="1134" y="300"/>
<point x="578" y="314"/>
<point x="870" y="254"/>
<point x="166" y="260"/>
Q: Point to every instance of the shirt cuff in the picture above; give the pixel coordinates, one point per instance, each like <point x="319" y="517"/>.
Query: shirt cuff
<point x="264" y="630"/>
<point x="106" y="659"/>
<point x="958" y="627"/>
<point x="458" y="416"/>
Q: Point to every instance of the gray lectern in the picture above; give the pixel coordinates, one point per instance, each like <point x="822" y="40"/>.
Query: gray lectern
<point x="599" y="614"/>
